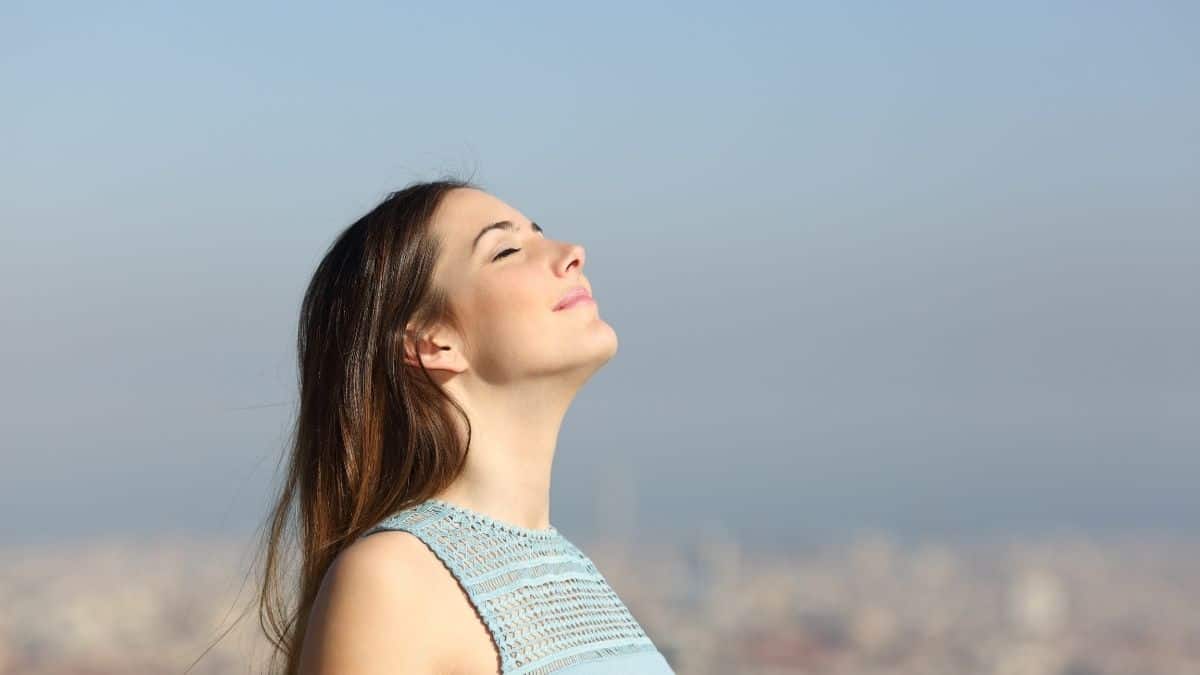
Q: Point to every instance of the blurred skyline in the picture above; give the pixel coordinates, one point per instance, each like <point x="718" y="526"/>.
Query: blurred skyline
<point x="928" y="268"/>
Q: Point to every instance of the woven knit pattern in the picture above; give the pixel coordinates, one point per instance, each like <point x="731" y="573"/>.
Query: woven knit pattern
<point x="544" y="602"/>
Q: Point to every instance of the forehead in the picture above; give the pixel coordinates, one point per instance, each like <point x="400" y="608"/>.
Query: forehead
<point x="465" y="211"/>
<point x="462" y="213"/>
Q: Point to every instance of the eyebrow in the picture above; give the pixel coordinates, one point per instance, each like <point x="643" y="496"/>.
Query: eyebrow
<point x="500" y="225"/>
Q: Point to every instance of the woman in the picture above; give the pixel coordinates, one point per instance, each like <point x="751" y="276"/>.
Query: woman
<point x="442" y="339"/>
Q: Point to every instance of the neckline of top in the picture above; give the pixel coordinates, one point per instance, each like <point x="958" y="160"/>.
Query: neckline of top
<point x="547" y="533"/>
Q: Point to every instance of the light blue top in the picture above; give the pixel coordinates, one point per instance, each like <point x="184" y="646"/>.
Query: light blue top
<point x="547" y="607"/>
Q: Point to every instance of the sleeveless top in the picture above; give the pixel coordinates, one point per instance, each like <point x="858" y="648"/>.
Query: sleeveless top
<point x="547" y="607"/>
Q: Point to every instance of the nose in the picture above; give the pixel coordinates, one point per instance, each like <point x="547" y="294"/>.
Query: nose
<point x="575" y="255"/>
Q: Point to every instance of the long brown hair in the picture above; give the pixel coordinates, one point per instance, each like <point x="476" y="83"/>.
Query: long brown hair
<point x="372" y="436"/>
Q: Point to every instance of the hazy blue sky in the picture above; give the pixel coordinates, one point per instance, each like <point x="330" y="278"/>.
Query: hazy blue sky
<point x="929" y="267"/>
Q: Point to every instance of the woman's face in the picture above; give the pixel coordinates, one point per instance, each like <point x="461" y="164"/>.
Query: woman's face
<point x="504" y="283"/>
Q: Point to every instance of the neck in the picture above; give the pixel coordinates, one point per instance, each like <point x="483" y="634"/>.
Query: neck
<point x="514" y="433"/>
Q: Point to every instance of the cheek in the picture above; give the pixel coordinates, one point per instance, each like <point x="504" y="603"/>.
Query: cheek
<point x="512" y="322"/>
<point x="512" y="301"/>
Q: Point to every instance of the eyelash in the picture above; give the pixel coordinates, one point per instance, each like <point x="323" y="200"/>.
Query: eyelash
<point x="504" y="253"/>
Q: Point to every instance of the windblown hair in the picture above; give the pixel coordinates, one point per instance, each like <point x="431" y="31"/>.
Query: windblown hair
<point x="372" y="435"/>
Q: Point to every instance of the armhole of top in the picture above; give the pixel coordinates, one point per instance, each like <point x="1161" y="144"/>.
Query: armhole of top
<point x="450" y="563"/>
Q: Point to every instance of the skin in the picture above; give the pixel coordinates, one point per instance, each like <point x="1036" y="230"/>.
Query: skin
<point x="518" y="364"/>
<point x="515" y="369"/>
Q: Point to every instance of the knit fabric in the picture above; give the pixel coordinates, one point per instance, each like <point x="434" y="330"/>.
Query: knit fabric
<point x="547" y="607"/>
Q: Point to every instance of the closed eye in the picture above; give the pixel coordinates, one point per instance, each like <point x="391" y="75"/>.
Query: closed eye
<point x="508" y="251"/>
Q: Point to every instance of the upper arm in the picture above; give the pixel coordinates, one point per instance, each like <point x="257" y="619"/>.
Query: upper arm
<point x="370" y="615"/>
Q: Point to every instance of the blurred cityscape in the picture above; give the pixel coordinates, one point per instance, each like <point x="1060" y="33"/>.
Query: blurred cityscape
<point x="870" y="605"/>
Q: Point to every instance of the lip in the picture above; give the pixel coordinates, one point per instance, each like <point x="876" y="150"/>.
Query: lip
<point x="576" y="294"/>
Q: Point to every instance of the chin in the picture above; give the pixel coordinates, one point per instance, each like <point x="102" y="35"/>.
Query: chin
<point x="599" y="347"/>
<point x="612" y="346"/>
<point x="611" y="338"/>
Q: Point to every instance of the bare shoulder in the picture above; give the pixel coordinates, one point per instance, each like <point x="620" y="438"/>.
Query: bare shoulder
<point x="372" y="612"/>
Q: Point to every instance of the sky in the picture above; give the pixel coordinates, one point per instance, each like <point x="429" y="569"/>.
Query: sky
<point x="929" y="268"/>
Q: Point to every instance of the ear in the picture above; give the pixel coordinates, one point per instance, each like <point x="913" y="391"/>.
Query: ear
<point x="438" y="351"/>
